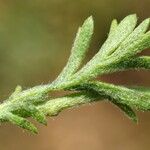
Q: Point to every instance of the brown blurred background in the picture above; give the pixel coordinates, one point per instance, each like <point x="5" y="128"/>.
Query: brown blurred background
<point x="35" y="42"/>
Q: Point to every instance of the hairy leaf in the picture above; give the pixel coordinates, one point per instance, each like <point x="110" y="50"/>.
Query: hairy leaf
<point x="118" y="53"/>
<point x="122" y="31"/>
<point x="113" y="27"/>
<point x="131" y="97"/>
<point x="79" y="49"/>
<point x="23" y="123"/>
<point x="127" y="111"/>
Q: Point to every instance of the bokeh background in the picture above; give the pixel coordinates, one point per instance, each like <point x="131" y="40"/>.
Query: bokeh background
<point x="35" y="42"/>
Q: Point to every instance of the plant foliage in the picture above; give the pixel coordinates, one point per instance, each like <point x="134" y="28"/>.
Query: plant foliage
<point x="118" y="53"/>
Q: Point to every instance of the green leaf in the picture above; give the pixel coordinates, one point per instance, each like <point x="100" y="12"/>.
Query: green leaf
<point x="127" y="111"/>
<point x="100" y="61"/>
<point x="21" y="122"/>
<point x="122" y="31"/>
<point x="18" y="89"/>
<point x="55" y="106"/>
<point x="123" y="95"/>
<point x="35" y="113"/>
<point x="118" y="53"/>
<point x="113" y="27"/>
<point x="123" y="56"/>
<point x="135" y="43"/>
<point x="145" y="90"/>
<point x="79" y="49"/>
<point x="142" y="62"/>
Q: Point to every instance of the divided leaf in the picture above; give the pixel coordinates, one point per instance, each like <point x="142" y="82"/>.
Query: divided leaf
<point x="116" y="54"/>
<point x="135" y="43"/>
<point x="122" y="31"/>
<point x="100" y="60"/>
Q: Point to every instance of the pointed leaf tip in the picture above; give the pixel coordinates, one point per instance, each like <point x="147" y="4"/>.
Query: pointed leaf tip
<point x="114" y="22"/>
<point x="131" y="18"/>
<point x="128" y="111"/>
<point x="90" y="18"/>
<point x="113" y="26"/>
<point x="144" y="25"/>
<point x="147" y="22"/>
<point x="21" y="122"/>
<point x="89" y="21"/>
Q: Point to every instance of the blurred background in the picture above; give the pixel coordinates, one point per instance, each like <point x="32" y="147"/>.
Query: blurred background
<point x="35" y="42"/>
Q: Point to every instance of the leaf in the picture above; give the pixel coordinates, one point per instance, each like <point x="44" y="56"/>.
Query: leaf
<point x="136" y="42"/>
<point x="122" y="31"/>
<point x="127" y="111"/>
<point x="79" y="49"/>
<point x="35" y="113"/>
<point x="145" y="90"/>
<point x="142" y="62"/>
<point x="122" y="57"/>
<point x="18" y="89"/>
<point x="55" y="106"/>
<point x="21" y="122"/>
<point x="123" y="95"/>
<point x="113" y="27"/>
<point x="116" y="54"/>
<point x="100" y="61"/>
